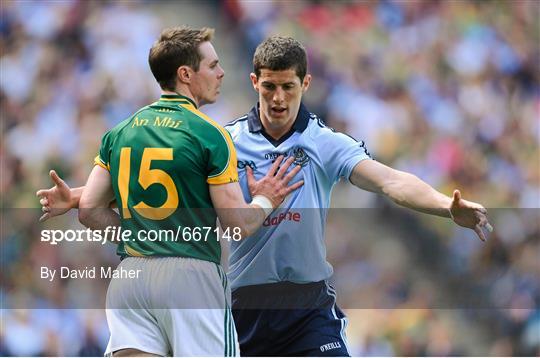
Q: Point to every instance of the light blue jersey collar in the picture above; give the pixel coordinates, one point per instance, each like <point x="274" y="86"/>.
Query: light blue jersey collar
<point x="300" y="124"/>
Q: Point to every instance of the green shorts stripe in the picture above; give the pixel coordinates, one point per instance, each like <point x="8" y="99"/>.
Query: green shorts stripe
<point x="230" y="347"/>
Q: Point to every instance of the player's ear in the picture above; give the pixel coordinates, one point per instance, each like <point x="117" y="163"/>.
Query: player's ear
<point x="184" y="74"/>
<point x="306" y="82"/>
<point x="254" y="81"/>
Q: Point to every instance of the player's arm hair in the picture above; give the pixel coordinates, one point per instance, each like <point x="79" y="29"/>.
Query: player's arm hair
<point x="76" y="194"/>
<point x="233" y="211"/>
<point x="403" y="188"/>
<point x="94" y="204"/>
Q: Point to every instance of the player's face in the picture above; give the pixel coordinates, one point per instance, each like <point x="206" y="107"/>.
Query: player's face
<point x="280" y="94"/>
<point x="207" y="81"/>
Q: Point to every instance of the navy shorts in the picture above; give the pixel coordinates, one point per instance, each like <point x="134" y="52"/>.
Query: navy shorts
<point x="288" y="319"/>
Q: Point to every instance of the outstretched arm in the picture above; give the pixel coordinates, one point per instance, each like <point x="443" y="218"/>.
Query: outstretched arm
<point x="408" y="190"/>
<point x="59" y="199"/>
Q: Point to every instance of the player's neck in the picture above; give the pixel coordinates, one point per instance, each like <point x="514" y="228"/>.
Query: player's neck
<point x="182" y="92"/>
<point x="276" y="131"/>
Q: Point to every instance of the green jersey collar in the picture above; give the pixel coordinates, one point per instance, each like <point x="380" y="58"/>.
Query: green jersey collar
<point x="168" y="98"/>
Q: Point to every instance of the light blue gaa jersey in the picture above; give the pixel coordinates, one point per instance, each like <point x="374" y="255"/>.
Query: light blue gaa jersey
<point x="290" y="244"/>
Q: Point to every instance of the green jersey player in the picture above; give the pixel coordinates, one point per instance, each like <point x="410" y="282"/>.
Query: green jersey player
<point x="161" y="161"/>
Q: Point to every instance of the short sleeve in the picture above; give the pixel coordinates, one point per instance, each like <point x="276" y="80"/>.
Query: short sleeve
<point x="222" y="161"/>
<point x="104" y="156"/>
<point x="340" y="154"/>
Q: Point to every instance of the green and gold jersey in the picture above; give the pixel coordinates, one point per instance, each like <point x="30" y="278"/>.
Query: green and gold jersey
<point x="162" y="161"/>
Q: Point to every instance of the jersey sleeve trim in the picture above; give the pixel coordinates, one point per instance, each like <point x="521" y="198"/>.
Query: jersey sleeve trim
<point x="132" y="252"/>
<point x="229" y="174"/>
<point x="101" y="163"/>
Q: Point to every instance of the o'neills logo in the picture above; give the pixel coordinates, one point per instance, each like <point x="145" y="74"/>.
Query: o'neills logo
<point x="330" y="346"/>
<point x="288" y="216"/>
<point x="242" y="164"/>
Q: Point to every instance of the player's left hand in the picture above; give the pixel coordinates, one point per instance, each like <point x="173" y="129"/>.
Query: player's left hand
<point x="470" y="215"/>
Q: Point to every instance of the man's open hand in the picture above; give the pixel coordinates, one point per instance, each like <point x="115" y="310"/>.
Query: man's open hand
<point x="56" y="200"/>
<point x="274" y="185"/>
<point x="470" y="215"/>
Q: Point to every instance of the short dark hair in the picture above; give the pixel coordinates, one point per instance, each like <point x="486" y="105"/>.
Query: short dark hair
<point x="177" y="46"/>
<point x="278" y="53"/>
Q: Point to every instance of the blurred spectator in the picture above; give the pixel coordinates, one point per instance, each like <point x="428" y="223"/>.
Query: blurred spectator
<point x="447" y="90"/>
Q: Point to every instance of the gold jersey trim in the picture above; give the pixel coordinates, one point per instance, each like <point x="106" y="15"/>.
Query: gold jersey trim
<point x="174" y="99"/>
<point x="101" y="163"/>
<point x="229" y="174"/>
<point x="132" y="252"/>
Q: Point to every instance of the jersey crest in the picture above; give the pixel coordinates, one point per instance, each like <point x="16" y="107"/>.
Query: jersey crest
<point x="300" y="156"/>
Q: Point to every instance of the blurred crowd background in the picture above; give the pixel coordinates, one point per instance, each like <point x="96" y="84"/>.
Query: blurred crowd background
<point x="447" y="90"/>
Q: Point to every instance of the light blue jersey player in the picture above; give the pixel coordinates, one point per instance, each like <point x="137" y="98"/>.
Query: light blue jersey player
<point x="289" y="252"/>
<point x="290" y="245"/>
<point x="282" y="303"/>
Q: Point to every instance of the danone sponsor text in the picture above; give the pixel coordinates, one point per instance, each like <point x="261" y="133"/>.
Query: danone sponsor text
<point x="288" y="216"/>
